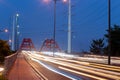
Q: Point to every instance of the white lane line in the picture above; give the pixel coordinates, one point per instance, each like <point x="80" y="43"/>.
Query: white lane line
<point x="39" y="74"/>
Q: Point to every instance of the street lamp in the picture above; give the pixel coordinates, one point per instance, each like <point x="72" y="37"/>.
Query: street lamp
<point x="54" y="30"/>
<point x="65" y="1"/>
<point x="69" y="26"/>
<point x="6" y="30"/>
<point x="14" y="32"/>
<point x="109" y="32"/>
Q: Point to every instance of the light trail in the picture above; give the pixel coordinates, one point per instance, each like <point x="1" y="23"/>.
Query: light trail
<point x="94" y="58"/>
<point x="95" y="65"/>
<point x="108" y="66"/>
<point x="101" y="66"/>
<point x="84" y="63"/>
<point x="67" y="66"/>
<point x="80" y="73"/>
<point x="78" y="67"/>
<point x="55" y="70"/>
<point x="99" y="72"/>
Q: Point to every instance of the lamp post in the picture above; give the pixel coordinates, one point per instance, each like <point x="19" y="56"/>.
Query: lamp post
<point x="69" y="27"/>
<point x="14" y="31"/>
<point x="109" y="32"/>
<point x="54" y="30"/>
<point x="17" y="37"/>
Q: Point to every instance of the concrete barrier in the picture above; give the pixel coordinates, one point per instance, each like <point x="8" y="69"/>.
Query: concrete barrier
<point x="9" y="61"/>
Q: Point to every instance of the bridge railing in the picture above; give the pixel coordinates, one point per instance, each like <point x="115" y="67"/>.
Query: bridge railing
<point x="8" y="63"/>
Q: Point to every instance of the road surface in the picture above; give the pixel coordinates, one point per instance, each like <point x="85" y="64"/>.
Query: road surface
<point x="57" y="68"/>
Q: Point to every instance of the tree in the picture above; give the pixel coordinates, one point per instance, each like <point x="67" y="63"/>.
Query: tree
<point x="4" y="50"/>
<point x="97" y="46"/>
<point x="115" y="40"/>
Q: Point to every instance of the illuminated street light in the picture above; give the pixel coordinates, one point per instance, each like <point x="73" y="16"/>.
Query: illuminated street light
<point x="17" y="15"/>
<point x="65" y="1"/>
<point x="10" y="40"/>
<point x="46" y="1"/>
<point x="6" y="30"/>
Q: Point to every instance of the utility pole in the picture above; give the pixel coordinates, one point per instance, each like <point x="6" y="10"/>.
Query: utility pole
<point x="14" y="32"/>
<point x="109" y="32"/>
<point x="69" y="26"/>
<point x="17" y="37"/>
<point x="54" y="32"/>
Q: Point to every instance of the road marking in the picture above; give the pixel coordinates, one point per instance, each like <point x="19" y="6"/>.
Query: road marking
<point x="39" y="74"/>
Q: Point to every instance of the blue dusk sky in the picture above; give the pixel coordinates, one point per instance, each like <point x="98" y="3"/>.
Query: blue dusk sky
<point x="36" y="19"/>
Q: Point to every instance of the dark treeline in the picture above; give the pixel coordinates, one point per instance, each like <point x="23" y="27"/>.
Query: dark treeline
<point x="98" y="46"/>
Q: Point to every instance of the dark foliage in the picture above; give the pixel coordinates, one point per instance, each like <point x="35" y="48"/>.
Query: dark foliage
<point x="4" y="50"/>
<point x="115" y="40"/>
<point x="97" y="46"/>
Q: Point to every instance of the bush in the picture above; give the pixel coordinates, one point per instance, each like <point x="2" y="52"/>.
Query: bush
<point x="3" y="77"/>
<point x="4" y="50"/>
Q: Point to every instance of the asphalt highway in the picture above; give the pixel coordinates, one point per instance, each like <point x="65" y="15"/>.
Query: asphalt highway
<point x="59" y="68"/>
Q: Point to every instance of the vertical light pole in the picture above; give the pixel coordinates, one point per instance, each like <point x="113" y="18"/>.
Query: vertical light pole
<point x="14" y="31"/>
<point x="13" y="34"/>
<point x="109" y="32"/>
<point x="69" y="27"/>
<point x="17" y="37"/>
<point x="54" y="32"/>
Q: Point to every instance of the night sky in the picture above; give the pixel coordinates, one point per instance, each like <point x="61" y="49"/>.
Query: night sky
<point x="89" y="20"/>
